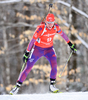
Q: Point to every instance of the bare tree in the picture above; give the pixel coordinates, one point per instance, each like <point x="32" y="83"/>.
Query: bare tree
<point x="6" y="57"/>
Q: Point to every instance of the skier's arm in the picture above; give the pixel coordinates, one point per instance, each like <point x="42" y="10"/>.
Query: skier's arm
<point x="68" y="41"/>
<point x="35" y="37"/>
<point x="64" y="36"/>
<point x="27" y="53"/>
<point x="32" y="42"/>
<point x="30" y="45"/>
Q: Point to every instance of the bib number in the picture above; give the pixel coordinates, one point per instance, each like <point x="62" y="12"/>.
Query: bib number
<point x="49" y="39"/>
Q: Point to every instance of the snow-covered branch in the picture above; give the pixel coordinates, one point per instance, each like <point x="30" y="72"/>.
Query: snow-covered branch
<point x="10" y="1"/>
<point x="83" y="42"/>
<point x="19" y="24"/>
<point x="13" y="1"/>
<point x="74" y="8"/>
<point x="61" y="2"/>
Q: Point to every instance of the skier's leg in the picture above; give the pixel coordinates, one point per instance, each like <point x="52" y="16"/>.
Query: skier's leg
<point x="31" y="61"/>
<point x="51" y="56"/>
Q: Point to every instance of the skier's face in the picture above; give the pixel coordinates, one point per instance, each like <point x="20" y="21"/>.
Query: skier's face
<point x="49" y="25"/>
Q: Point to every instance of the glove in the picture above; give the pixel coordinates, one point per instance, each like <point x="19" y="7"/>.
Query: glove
<point x="72" y="47"/>
<point x="26" y="56"/>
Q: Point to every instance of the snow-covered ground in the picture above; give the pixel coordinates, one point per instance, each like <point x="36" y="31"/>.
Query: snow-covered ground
<point x="47" y="96"/>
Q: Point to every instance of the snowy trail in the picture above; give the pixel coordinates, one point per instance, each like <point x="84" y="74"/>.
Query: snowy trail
<point x="47" y="96"/>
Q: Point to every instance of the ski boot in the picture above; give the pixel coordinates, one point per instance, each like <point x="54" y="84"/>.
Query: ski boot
<point x="52" y="87"/>
<point x="16" y="88"/>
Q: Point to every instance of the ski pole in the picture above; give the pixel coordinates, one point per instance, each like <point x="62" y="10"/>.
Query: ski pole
<point x="66" y="64"/>
<point x="22" y="67"/>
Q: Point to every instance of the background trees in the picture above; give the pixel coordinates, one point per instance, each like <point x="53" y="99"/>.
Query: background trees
<point x="18" y="21"/>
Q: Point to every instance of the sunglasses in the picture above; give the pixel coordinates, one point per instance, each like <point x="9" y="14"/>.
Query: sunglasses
<point x="50" y="22"/>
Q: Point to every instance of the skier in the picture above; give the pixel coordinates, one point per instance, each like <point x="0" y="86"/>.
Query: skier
<point x="42" y="45"/>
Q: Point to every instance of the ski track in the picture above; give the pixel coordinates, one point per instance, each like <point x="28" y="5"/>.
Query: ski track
<point x="47" y="96"/>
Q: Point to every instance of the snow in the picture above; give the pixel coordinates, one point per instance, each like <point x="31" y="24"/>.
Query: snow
<point x="48" y="96"/>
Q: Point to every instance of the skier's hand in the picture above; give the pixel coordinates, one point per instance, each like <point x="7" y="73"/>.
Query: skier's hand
<point x="72" y="47"/>
<point x="26" y="56"/>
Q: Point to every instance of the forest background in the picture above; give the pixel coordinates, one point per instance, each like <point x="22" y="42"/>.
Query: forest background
<point x="18" y="21"/>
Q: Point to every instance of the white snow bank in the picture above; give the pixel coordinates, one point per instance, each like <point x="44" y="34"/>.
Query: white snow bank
<point x="47" y="96"/>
